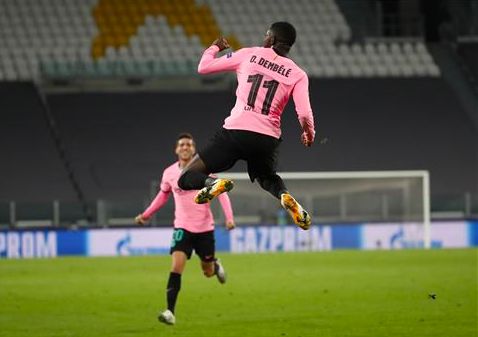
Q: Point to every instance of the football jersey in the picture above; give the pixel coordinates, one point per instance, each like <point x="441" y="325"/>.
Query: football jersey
<point x="266" y="80"/>
<point x="188" y="215"/>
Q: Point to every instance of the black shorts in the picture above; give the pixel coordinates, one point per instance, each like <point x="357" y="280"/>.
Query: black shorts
<point x="226" y="147"/>
<point x="202" y="243"/>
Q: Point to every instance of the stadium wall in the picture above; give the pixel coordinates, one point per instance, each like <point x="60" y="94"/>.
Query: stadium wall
<point x="118" y="143"/>
<point x="244" y="239"/>
<point x="371" y="124"/>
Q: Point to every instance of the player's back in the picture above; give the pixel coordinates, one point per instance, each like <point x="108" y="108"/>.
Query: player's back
<point x="265" y="82"/>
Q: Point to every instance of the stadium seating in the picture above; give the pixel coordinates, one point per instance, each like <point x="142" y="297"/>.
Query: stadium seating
<point x="64" y="38"/>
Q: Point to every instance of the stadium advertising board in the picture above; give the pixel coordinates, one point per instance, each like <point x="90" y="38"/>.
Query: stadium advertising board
<point x="284" y="238"/>
<point x="243" y="239"/>
<point x="396" y="236"/>
<point x="41" y="243"/>
<point x="128" y="242"/>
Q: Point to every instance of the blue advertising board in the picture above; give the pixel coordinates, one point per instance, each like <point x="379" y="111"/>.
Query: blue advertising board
<point x="243" y="239"/>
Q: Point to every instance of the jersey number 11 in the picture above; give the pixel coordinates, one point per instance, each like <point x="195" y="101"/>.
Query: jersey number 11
<point x="256" y="84"/>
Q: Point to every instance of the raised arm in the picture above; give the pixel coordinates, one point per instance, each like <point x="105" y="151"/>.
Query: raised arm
<point x="230" y="62"/>
<point x="227" y="210"/>
<point x="304" y="110"/>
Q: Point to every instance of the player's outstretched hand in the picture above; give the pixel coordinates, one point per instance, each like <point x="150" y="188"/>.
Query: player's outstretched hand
<point x="230" y="225"/>
<point x="222" y="43"/>
<point x="139" y="220"/>
<point x="306" y="140"/>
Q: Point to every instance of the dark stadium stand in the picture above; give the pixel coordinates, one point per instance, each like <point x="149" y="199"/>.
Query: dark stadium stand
<point x="469" y="52"/>
<point x="120" y="142"/>
<point x="30" y="167"/>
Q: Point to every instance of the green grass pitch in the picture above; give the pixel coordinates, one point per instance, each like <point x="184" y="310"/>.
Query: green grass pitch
<point x="338" y="293"/>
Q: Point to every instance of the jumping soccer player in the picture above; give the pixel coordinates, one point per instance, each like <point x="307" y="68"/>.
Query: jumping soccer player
<point x="193" y="226"/>
<point x="266" y="79"/>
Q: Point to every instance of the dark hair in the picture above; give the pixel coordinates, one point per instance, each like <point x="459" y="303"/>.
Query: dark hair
<point x="186" y="135"/>
<point x="284" y="33"/>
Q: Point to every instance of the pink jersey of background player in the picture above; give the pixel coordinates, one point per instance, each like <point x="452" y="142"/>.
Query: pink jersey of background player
<point x="187" y="214"/>
<point x="194" y="226"/>
<point x="265" y="82"/>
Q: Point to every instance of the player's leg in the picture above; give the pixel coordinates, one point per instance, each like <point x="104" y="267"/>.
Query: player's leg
<point x="262" y="165"/>
<point x="204" y="246"/>
<point x="181" y="250"/>
<point x="274" y="184"/>
<point x="214" y="268"/>
<point x="218" y="156"/>
<point x="174" y="286"/>
<point x="207" y="268"/>
<point x="194" y="175"/>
